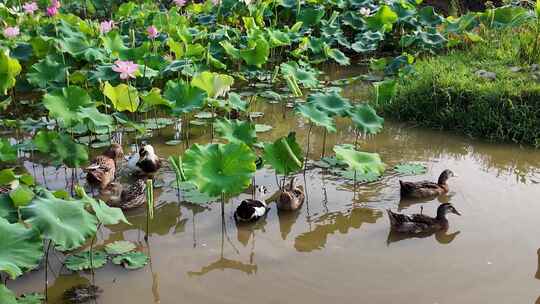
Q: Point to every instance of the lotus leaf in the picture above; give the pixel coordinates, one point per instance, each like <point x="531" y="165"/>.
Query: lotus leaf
<point x="67" y="223"/>
<point x="131" y="260"/>
<point x="86" y="260"/>
<point x="7" y="152"/>
<point x="220" y="168"/>
<point x="66" y="104"/>
<point x="7" y="209"/>
<point x="363" y="162"/>
<point x="316" y="116"/>
<point x="260" y="128"/>
<point x="304" y="76"/>
<point x="214" y="84"/>
<point x="332" y="103"/>
<point x="21" y="196"/>
<point x="123" y="97"/>
<point x="284" y="155"/>
<point x="257" y="54"/>
<point x="383" y="19"/>
<point x="366" y="119"/>
<point x="21" y="248"/>
<point x="184" y="98"/>
<point x="153" y="99"/>
<point x="236" y="102"/>
<point x="119" y="247"/>
<point x="105" y="214"/>
<point x="47" y="72"/>
<point x="236" y="131"/>
<point x="9" y="69"/>
<point x="410" y="169"/>
<point x="7" y="296"/>
<point x="31" y="298"/>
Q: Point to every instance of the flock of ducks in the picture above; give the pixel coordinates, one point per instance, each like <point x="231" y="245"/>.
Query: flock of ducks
<point x="101" y="174"/>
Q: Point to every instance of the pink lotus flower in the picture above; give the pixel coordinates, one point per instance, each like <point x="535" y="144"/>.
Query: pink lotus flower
<point x="30" y="7"/>
<point x="152" y="32"/>
<point x="11" y="32"/>
<point x="216" y="2"/>
<point x="126" y="69"/>
<point x="179" y="3"/>
<point x="106" y="26"/>
<point x="52" y="11"/>
<point x="55" y="3"/>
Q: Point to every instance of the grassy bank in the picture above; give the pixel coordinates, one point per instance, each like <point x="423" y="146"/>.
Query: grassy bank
<point x="447" y="92"/>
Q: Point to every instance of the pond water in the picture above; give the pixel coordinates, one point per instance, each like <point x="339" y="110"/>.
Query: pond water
<point x="337" y="248"/>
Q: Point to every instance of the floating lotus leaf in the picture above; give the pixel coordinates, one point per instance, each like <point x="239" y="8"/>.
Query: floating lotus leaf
<point x="366" y="119"/>
<point x="329" y="162"/>
<point x="31" y="298"/>
<point x="66" y="103"/>
<point x="184" y="98"/>
<point x="316" y="116"/>
<point x="305" y="77"/>
<point x="21" y="249"/>
<point x="410" y="169"/>
<point x="220" y="168"/>
<point x="123" y="97"/>
<point x="383" y="19"/>
<point x="363" y="162"/>
<point x="236" y="131"/>
<point x="119" y="247"/>
<point x="131" y="260"/>
<point x="21" y="196"/>
<point x="47" y="72"/>
<point x="7" y="296"/>
<point x="358" y="176"/>
<point x="67" y="223"/>
<point x="7" y="152"/>
<point x="9" y="69"/>
<point x="86" y="260"/>
<point x="205" y="115"/>
<point x="214" y="84"/>
<point x="332" y="103"/>
<point x="261" y="128"/>
<point x="284" y="155"/>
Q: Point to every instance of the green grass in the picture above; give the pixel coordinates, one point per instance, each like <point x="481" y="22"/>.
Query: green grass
<point x="445" y="92"/>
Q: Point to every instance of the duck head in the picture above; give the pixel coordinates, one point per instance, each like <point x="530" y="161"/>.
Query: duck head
<point x="148" y="152"/>
<point x="445" y="175"/>
<point x="260" y="192"/>
<point x="446" y="208"/>
<point x="115" y="152"/>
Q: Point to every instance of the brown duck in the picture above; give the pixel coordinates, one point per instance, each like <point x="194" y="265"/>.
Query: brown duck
<point x="100" y="173"/>
<point x="125" y="197"/>
<point x="419" y="223"/>
<point x="291" y="198"/>
<point x="426" y="189"/>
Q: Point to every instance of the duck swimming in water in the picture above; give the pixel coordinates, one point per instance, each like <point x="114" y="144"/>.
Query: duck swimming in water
<point x="146" y="162"/>
<point x="125" y="197"/>
<point x="291" y="198"/>
<point x="251" y="210"/>
<point x="419" y="223"/>
<point x="101" y="172"/>
<point x="426" y="189"/>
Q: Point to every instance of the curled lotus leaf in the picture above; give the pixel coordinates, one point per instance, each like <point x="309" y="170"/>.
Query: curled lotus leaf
<point x="284" y="155"/>
<point x="362" y="162"/>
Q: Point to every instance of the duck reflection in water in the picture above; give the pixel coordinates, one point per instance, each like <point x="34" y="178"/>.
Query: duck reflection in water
<point x="333" y="222"/>
<point x="405" y="203"/>
<point x="537" y="274"/>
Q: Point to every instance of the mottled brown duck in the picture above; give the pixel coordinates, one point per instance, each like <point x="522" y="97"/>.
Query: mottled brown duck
<point x="426" y="189"/>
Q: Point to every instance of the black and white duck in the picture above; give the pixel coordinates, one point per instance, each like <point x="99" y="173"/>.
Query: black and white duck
<point x="251" y="210"/>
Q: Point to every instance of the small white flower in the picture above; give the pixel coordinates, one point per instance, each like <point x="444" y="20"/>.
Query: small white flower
<point x="365" y="11"/>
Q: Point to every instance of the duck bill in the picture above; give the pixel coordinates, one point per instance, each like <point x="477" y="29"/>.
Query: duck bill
<point x="456" y="212"/>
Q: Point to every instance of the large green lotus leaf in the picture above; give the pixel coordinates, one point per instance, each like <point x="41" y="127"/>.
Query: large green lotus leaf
<point x="230" y="49"/>
<point x="21" y="249"/>
<point x="97" y="118"/>
<point x="7" y="152"/>
<point x="123" y="97"/>
<point x="284" y="155"/>
<point x="47" y="72"/>
<point x="235" y="102"/>
<point x="220" y="168"/>
<point x="310" y="16"/>
<point x="153" y="99"/>
<point x="31" y="298"/>
<point x="119" y="247"/>
<point x="184" y="98"/>
<point x="66" y="223"/>
<point x="367" y="41"/>
<point x="316" y="116"/>
<point x="7" y="209"/>
<point x="304" y="76"/>
<point x="114" y="43"/>
<point x="86" y="260"/>
<point x="278" y="38"/>
<point x="7" y="176"/>
<point x="236" y="131"/>
<point x="332" y="103"/>
<point x="105" y="214"/>
<point x="131" y="260"/>
<point x="363" y="162"/>
<point x="427" y="16"/>
<point x="257" y="54"/>
<point x="61" y="148"/>
<point x="366" y="119"/>
<point x="66" y="103"/>
<point x="81" y="48"/>
<point x="214" y="84"/>
<point x="338" y="56"/>
<point x="21" y="196"/>
<point x="7" y="296"/>
<point x="9" y="69"/>
<point x="383" y="19"/>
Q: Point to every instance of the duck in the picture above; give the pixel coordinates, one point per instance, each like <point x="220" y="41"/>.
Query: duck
<point x="426" y="189"/>
<point x="101" y="171"/>
<point x="420" y="223"/>
<point x="292" y="198"/>
<point x="146" y="162"/>
<point x="251" y="210"/>
<point x="125" y="197"/>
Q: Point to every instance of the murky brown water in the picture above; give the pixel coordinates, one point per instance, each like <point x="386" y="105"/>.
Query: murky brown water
<point x="337" y="248"/>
